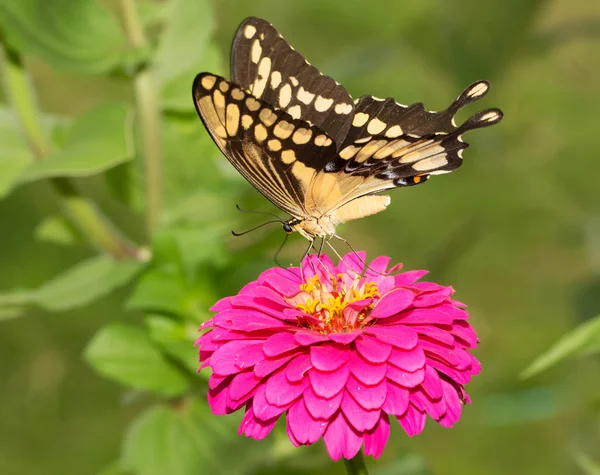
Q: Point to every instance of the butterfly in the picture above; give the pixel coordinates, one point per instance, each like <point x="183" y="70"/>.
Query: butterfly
<point x="301" y="140"/>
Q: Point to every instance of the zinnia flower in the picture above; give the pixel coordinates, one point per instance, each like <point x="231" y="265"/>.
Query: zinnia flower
<point x="339" y="353"/>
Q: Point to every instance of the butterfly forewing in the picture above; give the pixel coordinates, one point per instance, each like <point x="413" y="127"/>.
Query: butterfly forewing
<point x="276" y="153"/>
<point x="265" y="65"/>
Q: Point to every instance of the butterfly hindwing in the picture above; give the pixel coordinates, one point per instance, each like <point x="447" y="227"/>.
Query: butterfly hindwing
<point x="277" y="154"/>
<point x="403" y="145"/>
<point x="264" y="64"/>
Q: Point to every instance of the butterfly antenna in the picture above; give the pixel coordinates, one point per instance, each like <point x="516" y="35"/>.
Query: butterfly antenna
<point x="266" y="213"/>
<point x="254" y="228"/>
<point x="358" y="256"/>
<point x="319" y="254"/>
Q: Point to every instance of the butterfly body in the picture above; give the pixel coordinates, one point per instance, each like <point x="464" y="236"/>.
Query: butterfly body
<point x="299" y="138"/>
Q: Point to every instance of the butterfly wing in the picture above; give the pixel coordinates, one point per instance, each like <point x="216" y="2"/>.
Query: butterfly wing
<point x="391" y="145"/>
<point x="277" y="154"/>
<point x="264" y="64"/>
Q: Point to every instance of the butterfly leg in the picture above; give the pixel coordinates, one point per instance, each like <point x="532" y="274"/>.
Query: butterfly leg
<point x="357" y="255"/>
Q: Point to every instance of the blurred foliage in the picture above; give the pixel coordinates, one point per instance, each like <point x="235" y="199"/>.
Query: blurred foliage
<point x="515" y="231"/>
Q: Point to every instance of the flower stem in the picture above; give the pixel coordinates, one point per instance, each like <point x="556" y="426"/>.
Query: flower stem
<point x="79" y="210"/>
<point x="356" y="465"/>
<point x="148" y="112"/>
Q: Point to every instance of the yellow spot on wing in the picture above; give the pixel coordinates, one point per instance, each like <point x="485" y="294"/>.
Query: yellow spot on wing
<point x="376" y="126"/>
<point x="268" y="117"/>
<point x="394" y="131"/>
<point x="343" y="108"/>
<point x="349" y="152"/>
<point x="322" y="104"/>
<point x="305" y="96"/>
<point x="208" y="82"/>
<point x="249" y="31"/>
<point x="285" y="95"/>
<point x="264" y="68"/>
<point x="237" y="94"/>
<point x="295" y="111"/>
<point x="232" y="119"/>
<point x="360" y="119"/>
<point x="260" y="132"/>
<point x="246" y="121"/>
<point x="274" y="145"/>
<point x="288" y="156"/>
<point x="275" y="79"/>
<point x="283" y="129"/>
<point x="256" y="51"/>
<point x="302" y="136"/>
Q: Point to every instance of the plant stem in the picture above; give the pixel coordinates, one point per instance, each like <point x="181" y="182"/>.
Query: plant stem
<point x="148" y="111"/>
<point x="356" y="466"/>
<point x="79" y="210"/>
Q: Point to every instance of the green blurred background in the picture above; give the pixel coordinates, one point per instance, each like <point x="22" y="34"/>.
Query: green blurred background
<point x="516" y="231"/>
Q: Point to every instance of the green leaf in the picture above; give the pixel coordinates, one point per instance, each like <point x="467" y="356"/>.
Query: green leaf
<point x="188" y="28"/>
<point x="176" y="92"/>
<point x="99" y="140"/>
<point x="56" y="229"/>
<point x="85" y="282"/>
<point x="587" y="464"/>
<point x="126" y="354"/>
<point x="159" y="291"/>
<point x="188" y="440"/>
<point x="584" y="339"/>
<point x="15" y="155"/>
<point x="176" y="339"/>
<point x="72" y="35"/>
<point x="8" y="313"/>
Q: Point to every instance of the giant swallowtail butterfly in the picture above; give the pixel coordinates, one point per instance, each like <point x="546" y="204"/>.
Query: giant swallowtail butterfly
<point x="299" y="138"/>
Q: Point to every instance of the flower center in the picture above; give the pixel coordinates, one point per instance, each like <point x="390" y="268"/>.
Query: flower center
<point x="336" y="306"/>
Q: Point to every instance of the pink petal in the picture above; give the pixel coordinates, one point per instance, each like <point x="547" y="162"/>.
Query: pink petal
<point x="455" y="313"/>
<point x="357" y="416"/>
<point x="440" y="352"/>
<point x="344" y="338"/>
<point x="262" y="409"/>
<point x="436" y="409"/>
<point x="222" y="361"/>
<point x="280" y="343"/>
<point x="393" y="303"/>
<point x="281" y="392"/>
<point x="408" y="360"/>
<point x="372" y="349"/>
<point x="215" y="380"/>
<point x="407" y="379"/>
<point x="319" y="407"/>
<point x="352" y="310"/>
<point x="341" y="440"/>
<point x="329" y="357"/>
<point x="281" y="280"/>
<point x="268" y="365"/>
<point x="223" y="304"/>
<point x="255" y="428"/>
<point x="435" y="333"/>
<point x="369" y="397"/>
<point x="306" y="429"/>
<point x="307" y="338"/>
<point x="248" y="356"/>
<point x="328" y="384"/>
<point x="242" y="385"/>
<point x="409" y="278"/>
<point x="461" y="377"/>
<point x="463" y="331"/>
<point x="399" y="336"/>
<point x="412" y="421"/>
<point x="421" y="316"/>
<point x="396" y="399"/>
<point x="352" y="263"/>
<point x="432" y="383"/>
<point x="453" y="405"/>
<point x="377" y="267"/>
<point x="217" y="398"/>
<point x="297" y="368"/>
<point x="366" y="372"/>
<point x="376" y="438"/>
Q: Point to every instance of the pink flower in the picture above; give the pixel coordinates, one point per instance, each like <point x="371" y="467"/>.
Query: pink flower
<point x="339" y="354"/>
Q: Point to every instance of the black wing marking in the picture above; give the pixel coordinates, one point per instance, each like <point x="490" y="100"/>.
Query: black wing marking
<point x="406" y="144"/>
<point x="263" y="63"/>
<point x="277" y="154"/>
